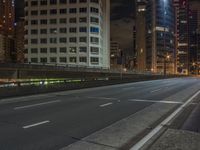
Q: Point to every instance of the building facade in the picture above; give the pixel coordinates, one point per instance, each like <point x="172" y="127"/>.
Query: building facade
<point x="114" y="54"/>
<point x="182" y="36"/>
<point x="7" y="17"/>
<point x="140" y="35"/>
<point x="68" y="32"/>
<point x="160" y="41"/>
<point x="194" y="37"/>
<point x="19" y="40"/>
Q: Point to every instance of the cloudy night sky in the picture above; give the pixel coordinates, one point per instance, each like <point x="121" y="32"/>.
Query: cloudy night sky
<point x="122" y="21"/>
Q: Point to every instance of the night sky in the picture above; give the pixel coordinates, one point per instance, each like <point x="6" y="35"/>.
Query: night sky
<point x="19" y="11"/>
<point x="121" y="20"/>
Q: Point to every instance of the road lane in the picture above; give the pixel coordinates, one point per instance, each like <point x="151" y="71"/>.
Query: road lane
<point x="36" y="105"/>
<point x="107" y="104"/>
<point x="150" y="101"/>
<point x="35" y="124"/>
<point x="145" y="139"/>
<point x="77" y="116"/>
<point x="155" y="90"/>
<point x="109" y="91"/>
<point x="137" y="94"/>
<point x="192" y="123"/>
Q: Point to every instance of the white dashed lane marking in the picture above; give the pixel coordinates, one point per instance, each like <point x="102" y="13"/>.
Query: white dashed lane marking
<point x="107" y="104"/>
<point x="155" y="90"/>
<point x="36" y="105"/>
<point x="35" y="124"/>
<point x="153" y="101"/>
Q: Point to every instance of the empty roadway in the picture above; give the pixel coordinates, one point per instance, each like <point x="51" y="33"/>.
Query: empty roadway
<point x="53" y="121"/>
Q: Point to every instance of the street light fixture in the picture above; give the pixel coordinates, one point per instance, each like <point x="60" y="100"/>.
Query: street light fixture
<point x="125" y="70"/>
<point x="197" y="47"/>
<point x="195" y="68"/>
<point x="166" y="58"/>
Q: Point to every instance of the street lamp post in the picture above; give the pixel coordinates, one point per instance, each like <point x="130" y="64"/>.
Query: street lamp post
<point x="165" y="67"/>
<point x="121" y="72"/>
<point x="121" y="67"/>
<point x="197" y="46"/>
<point x="194" y="68"/>
<point x="166" y="58"/>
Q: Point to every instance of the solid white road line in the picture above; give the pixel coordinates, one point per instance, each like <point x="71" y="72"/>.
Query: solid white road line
<point x="34" y="105"/>
<point x="153" y="101"/>
<point x="128" y="88"/>
<point x="145" y="139"/>
<point x="35" y="124"/>
<point x="107" y="104"/>
<point x="106" y="98"/>
<point x="155" y="90"/>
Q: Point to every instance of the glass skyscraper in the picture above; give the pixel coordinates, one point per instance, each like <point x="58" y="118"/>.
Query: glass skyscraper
<point x="160" y="39"/>
<point x="7" y="15"/>
<point x="140" y="34"/>
<point x="193" y="41"/>
<point x="182" y="36"/>
<point x="194" y="37"/>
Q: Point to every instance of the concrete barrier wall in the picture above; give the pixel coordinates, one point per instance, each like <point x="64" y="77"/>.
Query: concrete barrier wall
<point x="31" y="90"/>
<point x="26" y="71"/>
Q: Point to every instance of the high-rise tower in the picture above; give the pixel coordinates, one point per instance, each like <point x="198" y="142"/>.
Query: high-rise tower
<point x="7" y="17"/>
<point x="160" y="25"/>
<point x="68" y="32"/>
<point x="140" y="34"/>
<point x="182" y="36"/>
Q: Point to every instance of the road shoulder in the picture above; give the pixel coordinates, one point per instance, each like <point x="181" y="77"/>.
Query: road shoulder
<point x="134" y="127"/>
<point x="174" y="139"/>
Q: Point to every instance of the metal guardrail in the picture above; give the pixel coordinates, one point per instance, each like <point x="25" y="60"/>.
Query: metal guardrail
<point x="69" y="68"/>
<point x="16" y="72"/>
<point x="49" y="66"/>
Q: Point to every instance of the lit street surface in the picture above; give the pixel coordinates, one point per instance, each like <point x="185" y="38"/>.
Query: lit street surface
<point x="110" y="117"/>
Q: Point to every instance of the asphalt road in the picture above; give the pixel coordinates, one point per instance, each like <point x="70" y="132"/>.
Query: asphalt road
<point x="53" y="121"/>
<point x="192" y="123"/>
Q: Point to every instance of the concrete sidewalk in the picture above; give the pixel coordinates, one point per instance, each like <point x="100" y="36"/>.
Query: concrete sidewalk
<point x="177" y="140"/>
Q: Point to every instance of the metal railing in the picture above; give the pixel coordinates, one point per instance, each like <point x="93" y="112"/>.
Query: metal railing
<point x="72" y="68"/>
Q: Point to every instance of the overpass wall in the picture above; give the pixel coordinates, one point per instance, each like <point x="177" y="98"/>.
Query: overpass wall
<point x="33" y="89"/>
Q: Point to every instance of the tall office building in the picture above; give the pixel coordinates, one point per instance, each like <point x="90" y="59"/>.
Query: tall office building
<point x="68" y="32"/>
<point x="133" y="63"/>
<point x="7" y="16"/>
<point x="182" y="36"/>
<point x="140" y="28"/>
<point x="19" y="40"/>
<point x="114" y="54"/>
<point x="160" y="41"/>
<point x="194" y="37"/>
